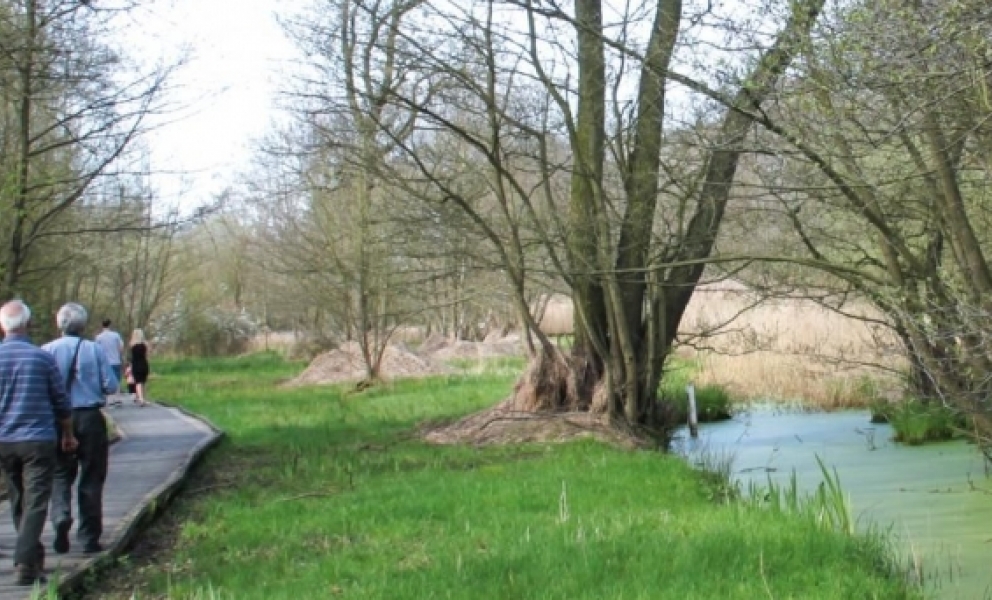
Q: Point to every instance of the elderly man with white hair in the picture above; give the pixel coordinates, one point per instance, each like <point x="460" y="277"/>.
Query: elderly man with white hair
<point x="89" y="380"/>
<point x="34" y="414"/>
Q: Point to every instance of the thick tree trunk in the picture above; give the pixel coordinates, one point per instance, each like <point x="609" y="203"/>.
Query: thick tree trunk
<point x="590" y="342"/>
<point x="627" y="310"/>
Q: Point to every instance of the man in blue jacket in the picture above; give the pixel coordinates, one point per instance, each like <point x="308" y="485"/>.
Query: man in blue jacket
<point x="33" y="410"/>
<point x="89" y="380"/>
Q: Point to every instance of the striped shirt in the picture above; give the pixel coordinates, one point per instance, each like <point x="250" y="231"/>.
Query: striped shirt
<point x="93" y="379"/>
<point x="32" y="393"/>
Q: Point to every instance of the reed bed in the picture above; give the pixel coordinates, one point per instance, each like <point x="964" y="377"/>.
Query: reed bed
<point x="792" y="350"/>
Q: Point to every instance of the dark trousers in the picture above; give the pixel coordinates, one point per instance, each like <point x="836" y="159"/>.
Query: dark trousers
<point x="89" y="462"/>
<point x="28" y="468"/>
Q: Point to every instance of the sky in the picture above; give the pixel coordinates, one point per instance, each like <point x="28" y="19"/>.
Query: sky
<point x="222" y="99"/>
<point x="225" y="95"/>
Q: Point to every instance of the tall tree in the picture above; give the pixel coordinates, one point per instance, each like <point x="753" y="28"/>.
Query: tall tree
<point x="71" y="106"/>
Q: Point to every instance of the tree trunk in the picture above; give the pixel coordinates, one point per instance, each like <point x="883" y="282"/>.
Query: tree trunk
<point x="623" y="333"/>
<point x="589" y="348"/>
<point x="14" y="259"/>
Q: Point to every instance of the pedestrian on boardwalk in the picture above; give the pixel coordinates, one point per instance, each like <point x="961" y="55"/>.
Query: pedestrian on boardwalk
<point x="139" y="364"/>
<point x="34" y="416"/>
<point x="113" y="347"/>
<point x="88" y="381"/>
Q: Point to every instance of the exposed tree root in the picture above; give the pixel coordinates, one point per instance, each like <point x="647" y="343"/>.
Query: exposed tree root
<point x="547" y="405"/>
<point x="503" y="424"/>
<point x="548" y="385"/>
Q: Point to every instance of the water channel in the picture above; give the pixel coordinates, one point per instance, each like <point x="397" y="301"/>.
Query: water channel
<point x="937" y="498"/>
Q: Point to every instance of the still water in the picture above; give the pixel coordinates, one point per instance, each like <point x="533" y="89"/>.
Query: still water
<point x="937" y="498"/>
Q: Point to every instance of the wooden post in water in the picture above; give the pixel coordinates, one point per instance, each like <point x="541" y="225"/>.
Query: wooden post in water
<point x="693" y="421"/>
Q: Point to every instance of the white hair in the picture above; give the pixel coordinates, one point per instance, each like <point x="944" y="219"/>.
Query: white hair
<point x="14" y="316"/>
<point x="72" y="318"/>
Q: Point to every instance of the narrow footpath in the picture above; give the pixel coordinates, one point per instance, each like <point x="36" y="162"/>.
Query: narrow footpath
<point x="157" y="448"/>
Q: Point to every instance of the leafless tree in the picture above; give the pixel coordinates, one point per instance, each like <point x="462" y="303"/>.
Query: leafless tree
<point x="71" y="108"/>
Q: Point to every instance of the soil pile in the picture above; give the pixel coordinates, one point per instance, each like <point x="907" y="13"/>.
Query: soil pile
<point x="433" y="343"/>
<point x="510" y="345"/>
<point x="345" y="363"/>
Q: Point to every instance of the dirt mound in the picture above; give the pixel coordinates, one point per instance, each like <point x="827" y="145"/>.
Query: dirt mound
<point x="345" y="363"/>
<point x="433" y="342"/>
<point x="503" y="424"/>
<point x="510" y="345"/>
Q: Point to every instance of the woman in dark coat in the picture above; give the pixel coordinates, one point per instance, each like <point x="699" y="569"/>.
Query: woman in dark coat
<point x="139" y="364"/>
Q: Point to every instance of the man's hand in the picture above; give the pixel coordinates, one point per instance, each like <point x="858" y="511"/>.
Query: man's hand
<point x="69" y="443"/>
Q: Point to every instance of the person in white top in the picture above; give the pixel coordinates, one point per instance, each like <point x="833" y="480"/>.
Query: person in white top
<point x="113" y="347"/>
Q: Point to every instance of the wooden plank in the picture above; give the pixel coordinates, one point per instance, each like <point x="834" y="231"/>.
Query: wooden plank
<point x="159" y="445"/>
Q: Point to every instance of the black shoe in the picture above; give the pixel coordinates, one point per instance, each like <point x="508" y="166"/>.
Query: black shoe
<point x="93" y="548"/>
<point x="28" y="576"/>
<point x="61" y="545"/>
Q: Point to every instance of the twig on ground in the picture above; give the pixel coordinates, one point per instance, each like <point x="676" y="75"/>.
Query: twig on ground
<point x="318" y="494"/>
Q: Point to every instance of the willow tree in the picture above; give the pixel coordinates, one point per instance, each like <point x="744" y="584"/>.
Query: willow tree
<point x="630" y="288"/>
<point x="501" y="80"/>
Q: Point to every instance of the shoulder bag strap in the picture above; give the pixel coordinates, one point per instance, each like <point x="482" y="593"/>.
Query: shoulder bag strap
<point x="72" y="369"/>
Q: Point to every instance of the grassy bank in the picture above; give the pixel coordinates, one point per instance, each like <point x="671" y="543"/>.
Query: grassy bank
<point x="322" y="494"/>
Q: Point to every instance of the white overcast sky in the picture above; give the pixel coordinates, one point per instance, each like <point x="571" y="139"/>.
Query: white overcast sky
<point x="225" y="93"/>
<point x="227" y="90"/>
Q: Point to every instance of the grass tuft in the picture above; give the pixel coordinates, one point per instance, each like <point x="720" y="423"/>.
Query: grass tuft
<point x="916" y="423"/>
<point x="713" y="401"/>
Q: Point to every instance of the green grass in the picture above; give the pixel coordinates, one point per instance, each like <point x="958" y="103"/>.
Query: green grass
<point x="499" y="365"/>
<point x="916" y="423"/>
<point x="320" y="494"/>
<point x="713" y="402"/>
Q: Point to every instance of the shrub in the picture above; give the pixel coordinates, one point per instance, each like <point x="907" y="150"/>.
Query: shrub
<point x="712" y="403"/>
<point x="213" y="331"/>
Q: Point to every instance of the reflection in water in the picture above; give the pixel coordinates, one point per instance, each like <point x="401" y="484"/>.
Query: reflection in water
<point x="936" y="498"/>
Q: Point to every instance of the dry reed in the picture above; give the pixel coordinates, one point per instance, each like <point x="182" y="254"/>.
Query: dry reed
<point x="790" y="349"/>
<point x="782" y="350"/>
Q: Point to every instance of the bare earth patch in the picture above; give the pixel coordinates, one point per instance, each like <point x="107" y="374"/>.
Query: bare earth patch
<point x="494" y="347"/>
<point x="345" y="363"/>
<point x="503" y="424"/>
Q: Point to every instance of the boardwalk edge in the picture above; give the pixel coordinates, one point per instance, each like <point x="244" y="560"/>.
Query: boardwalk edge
<point x="150" y="506"/>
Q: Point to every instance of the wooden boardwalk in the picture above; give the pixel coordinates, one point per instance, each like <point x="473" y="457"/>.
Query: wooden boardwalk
<point x="158" y="446"/>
